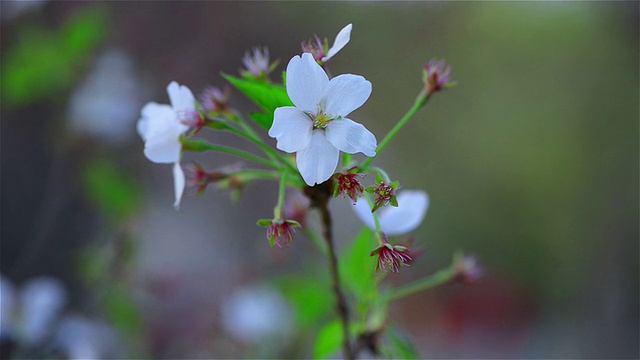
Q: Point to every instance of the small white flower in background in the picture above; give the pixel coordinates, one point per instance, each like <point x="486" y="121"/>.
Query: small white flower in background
<point x="7" y="303"/>
<point x="316" y="128"/>
<point x="161" y="127"/>
<point x="412" y="207"/>
<point x="83" y="338"/>
<point x="319" y="50"/>
<point x="42" y="300"/>
<point x="252" y="314"/>
<point x="106" y="102"/>
<point x="29" y="315"/>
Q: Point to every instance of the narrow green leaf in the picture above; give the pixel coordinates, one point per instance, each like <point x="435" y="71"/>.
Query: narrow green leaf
<point x="267" y="96"/>
<point x="328" y="341"/>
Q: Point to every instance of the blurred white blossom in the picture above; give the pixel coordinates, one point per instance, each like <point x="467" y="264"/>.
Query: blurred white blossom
<point x="105" y="105"/>
<point x="252" y="314"/>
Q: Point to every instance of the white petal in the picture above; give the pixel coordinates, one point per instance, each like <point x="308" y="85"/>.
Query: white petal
<point x="181" y="97"/>
<point x="341" y="40"/>
<point x="164" y="147"/>
<point x="318" y="161"/>
<point x="292" y="128"/>
<point x="143" y="127"/>
<point x="345" y="93"/>
<point x="306" y="82"/>
<point x="178" y="183"/>
<point x="351" y="137"/>
<point x="412" y="207"/>
<point x="363" y="210"/>
<point x="161" y="130"/>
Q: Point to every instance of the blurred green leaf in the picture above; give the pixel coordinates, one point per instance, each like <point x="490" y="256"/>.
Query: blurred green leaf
<point x="310" y="298"/>
<point x="42" y="63"/>
<point x="113" y="192"/>
<point x="357" y="266"/>
<point x="267" y="96"/>
<point x="328" y="340"/>
<point x="122" y="312"/>
<point x="399" y="346"/>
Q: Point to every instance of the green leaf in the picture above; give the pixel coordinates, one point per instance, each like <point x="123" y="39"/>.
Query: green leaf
<point x="357" y="266"/>
<point x="114" y="193"/>
<point x="263" y="119"/>
<point x="267" y="96"/>
<point x="43" y="63"/>
<point x="264" y="222"/>
<point x="398" y="345"/>
<point x="328" y="341"/>
<point x="311" y="300"/>
<point x="122" y="312"/>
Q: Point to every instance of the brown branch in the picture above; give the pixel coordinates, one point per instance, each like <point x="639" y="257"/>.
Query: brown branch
<point x="320" y="196"/>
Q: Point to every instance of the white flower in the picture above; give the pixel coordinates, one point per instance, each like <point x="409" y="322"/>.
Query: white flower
<point x="316" y="128"/>
<point x="161" y="126"/>
<point x="412" y="207"/>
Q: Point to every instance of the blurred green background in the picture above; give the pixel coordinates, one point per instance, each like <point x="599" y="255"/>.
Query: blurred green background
<point x="531" y="163"/>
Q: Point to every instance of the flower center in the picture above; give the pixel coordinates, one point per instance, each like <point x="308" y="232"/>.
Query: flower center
<point x="321" y="120"/>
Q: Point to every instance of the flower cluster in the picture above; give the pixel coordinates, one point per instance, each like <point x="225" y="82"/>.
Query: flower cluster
<point x="309" y="116"/>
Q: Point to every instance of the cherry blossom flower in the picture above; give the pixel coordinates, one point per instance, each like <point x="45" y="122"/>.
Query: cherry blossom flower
<point x="320" y="51"/>
<point x="161" y="126"/>
<point x="347" y="184"/>
<point x="317" y="128"/>
<point x="391" y="257"/>
<point x="412" y="207"/>
<point x="279" y="231"/>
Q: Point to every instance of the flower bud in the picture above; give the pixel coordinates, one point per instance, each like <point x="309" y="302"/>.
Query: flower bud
<point x="347" y="184"/>
<point x="436" y="76"/>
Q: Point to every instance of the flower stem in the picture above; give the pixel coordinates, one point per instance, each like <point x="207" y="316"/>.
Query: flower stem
<point x="277" y="212"/>
<point x="267" y="150"/>
<point x="441" y="277"/>
<point x="421" y="101"/>
<point x="202" y="146"/>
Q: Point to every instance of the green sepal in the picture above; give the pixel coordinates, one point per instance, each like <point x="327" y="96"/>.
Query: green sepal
<point x="370" y="189"/>
<point x="264" y="222"/>
<point x="395" y="185"/>
<point x="293" y="223"/>
<point x="379" y="178"/>
<point x="393" y="201"/>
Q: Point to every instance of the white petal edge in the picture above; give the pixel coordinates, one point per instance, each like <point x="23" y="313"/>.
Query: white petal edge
<point x="351" y="137"/>
<point x="412" y="207"/>
<point x="345" y="93"/>
<point x="181" y="97"/>
<point x="292" y="128"/>
<point x="178" y="183"/>
<point x="318" y="161"/>
<point x="394" y="221"/>
<point x="306" y="82"/>
<point x="341" y="40"/>
<point x="363" y="211"/>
